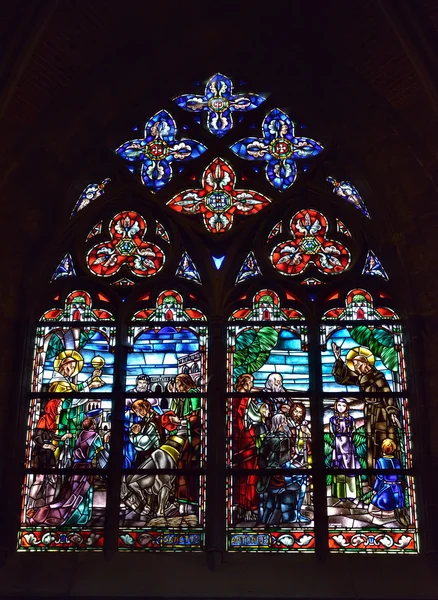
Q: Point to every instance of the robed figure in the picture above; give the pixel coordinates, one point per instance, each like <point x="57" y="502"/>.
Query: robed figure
<point x="244" y="443"/>
<point x="381" y="413"/>
<point x="74" y="503"/>
<point x="186" y="412"/>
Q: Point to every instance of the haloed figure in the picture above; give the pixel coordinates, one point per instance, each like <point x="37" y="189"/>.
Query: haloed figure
<point x="344" y="455"/>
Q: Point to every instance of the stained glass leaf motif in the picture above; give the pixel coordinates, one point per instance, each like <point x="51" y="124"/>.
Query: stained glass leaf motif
<point x="380" y="342"/>
<point x="253" y="349"/>
<point x="248" y="269"/>
<point x="279" y="148"/>
<point x="158" y="149"/>
<point x="276" y="230"/>
<point x="90" y="193"/>
<point x="219" y="102"/>
<point x="347" y="191"/>
<point x="218" y="200"/>
<point x="187" y="270"/>
<point x="342" y="228"/>
<point x="373" y="266"/>
<point x="78" y="307"/>
<point x="64" y="269"/>
<point x="95" y="230"/>
<point x="160" y="231"/>
<point x="310" y="246"/>
<point x="124" y="282"/>
<point x="126" y="248"/>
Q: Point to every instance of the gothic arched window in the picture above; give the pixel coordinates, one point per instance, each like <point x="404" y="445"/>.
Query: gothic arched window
<point x="219" y="362"/>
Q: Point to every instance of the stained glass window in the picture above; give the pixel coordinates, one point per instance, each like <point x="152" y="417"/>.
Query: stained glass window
<point x="162" y="503"/>
<point x="234" y="293"/>
<point x="269" y="450"/>
<point x="68" y="428"/>
<point x="367" y="438"/>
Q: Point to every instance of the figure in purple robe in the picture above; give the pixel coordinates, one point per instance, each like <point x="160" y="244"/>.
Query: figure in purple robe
<point x="344" y="455"/>
<point x="74" y="503"/>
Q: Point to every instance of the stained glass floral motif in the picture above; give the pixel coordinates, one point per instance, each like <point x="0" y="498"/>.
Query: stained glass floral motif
<point x="218" y="200"/>
<point x="219" y="103"/>
<point x="347" y="191"/>
<point x="276" y="230"/>
<point x="78" y="307"/>
<point x="126" y="248"/>
<point x="65" y="268"/>
<point x="310" y="246"/>
<point x="158" y="149"/>
<point x="279" y="148"/>
<point x="95" y="231"/>
<point x="160" y="231"/>
<point x="91" y="192"/>
<point x="373" y="266"/>
<point x="187" y="270"/>
<point x="342" y="228"/>
<point x="248" y="269"/>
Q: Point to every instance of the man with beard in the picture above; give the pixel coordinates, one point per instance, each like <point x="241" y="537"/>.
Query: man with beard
<point x="300" y="433"/>
<point x="300" y="453"/>
<point x="279" y="494"/>
<point x="186" y="411"/>
<point x="274" y="384"/>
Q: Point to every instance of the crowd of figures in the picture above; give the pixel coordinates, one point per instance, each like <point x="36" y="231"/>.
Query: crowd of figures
<point x="273" y="432"/>
<point x="269" y="433"/>
<point x="66" y="437"/>
<point x="69" y="436"/>
<point x="162" y="438"/>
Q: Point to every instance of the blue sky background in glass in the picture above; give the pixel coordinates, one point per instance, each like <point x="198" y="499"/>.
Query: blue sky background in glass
<point x="289" y="360"/>
<point x="343" y="339"/>
<point x="97" y="346"/>
<point x="156" y="353"/>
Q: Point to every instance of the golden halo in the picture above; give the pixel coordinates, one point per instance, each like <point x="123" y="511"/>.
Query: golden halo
<point x="359" y="351"/>
<point x="69" y="354"/>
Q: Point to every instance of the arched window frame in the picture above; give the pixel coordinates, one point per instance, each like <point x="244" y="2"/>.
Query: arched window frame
<point x="126" y="192"/>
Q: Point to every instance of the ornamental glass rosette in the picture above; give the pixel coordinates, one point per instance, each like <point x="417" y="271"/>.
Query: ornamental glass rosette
<point x="279" y="148"/>
<point x="158" y="149"/>
<point x="219" y="103"/>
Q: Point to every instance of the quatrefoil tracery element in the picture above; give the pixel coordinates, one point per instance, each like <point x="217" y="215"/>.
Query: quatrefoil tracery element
<point x="126" y="247"/>
<point x="310" y="246"/>
<point x="218" y="200"/>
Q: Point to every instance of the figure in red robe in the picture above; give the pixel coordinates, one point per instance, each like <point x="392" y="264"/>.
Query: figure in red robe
<point x="244" y="448"/>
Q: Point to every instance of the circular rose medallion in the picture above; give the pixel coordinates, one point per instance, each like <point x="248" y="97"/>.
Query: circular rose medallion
<point x="218" y="201"/>
<point x="281" y="148"/>
<point x="218" y="104"/>
<point x="156" y="150"/>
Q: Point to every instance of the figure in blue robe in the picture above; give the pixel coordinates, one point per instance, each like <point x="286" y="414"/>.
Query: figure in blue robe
<point x="388" y="488"/>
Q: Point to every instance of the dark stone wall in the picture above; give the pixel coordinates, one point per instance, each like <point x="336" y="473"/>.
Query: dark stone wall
<point x="44" y="173"/>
